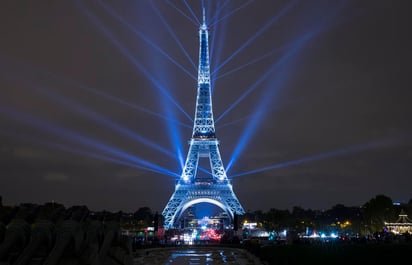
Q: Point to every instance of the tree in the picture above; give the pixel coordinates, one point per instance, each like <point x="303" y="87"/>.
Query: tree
<point x="144" y="216"/>
<point x="408" y="208"/>
<point x="377" y="211"/>
<point x="302" y="219"/>
<point x="276" y="220"/>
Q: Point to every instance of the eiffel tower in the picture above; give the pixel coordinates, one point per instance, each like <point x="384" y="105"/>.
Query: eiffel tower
<point x="190" y="189"/>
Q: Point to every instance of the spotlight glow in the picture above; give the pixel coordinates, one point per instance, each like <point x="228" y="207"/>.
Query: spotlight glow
<point x="191" y="11"/>
<point x="77" y="138"/>
<point x="318" y="26"/>
<point x="254" y="36"/>
<point x="326" y="155"/>
<point x="133" y="60"/>
<point x="105" y="121"/>
<point x="267" y="98"/>
<point x="146" y="39"/>
<point x="217" y="12"/>
<point x="181" y="12"/>
<point x="212" y="23"/>
<point x="172" y="33"/>
<point x="43" y="73"/>
<point x="251" y="62"/>
<point x="71" y="149"/>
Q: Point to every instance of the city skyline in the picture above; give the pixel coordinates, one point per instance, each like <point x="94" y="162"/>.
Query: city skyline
<point x="310" y="101"/>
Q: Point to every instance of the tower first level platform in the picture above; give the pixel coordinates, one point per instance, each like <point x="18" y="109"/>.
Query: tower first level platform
<point x="187" y="195"/>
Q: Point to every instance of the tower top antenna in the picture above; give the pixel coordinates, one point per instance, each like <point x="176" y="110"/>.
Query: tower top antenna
<point x="204" y="18"/>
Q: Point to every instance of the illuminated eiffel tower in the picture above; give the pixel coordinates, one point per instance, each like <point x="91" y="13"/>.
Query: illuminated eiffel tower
<point x="190" y="189"/>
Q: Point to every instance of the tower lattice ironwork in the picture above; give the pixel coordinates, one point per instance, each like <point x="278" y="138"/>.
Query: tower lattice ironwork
<point x="190" y="189"/>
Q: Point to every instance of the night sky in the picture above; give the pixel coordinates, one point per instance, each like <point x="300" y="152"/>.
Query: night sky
<point x="312" y="100"/>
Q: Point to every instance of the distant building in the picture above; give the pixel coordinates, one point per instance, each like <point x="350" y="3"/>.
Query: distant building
<point x="401" y="226"/>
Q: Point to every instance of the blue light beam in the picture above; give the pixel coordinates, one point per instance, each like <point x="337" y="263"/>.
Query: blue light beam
<point x="181" y="12"/>
<point x="110" y="124"/>
<point x="264" y="56"/>
<point x="132" y="59"/>
<point x="322" y="24"/>
<point x="105" y="121"/>
<point x="191" y="11"/>
<point x="216" y="49"/>
<point x="146" y="39"/>
<point x="326" y="155"/>
<point x="248" y="91"/>
<point x="255" y="36"/>
<point x="217" y="12"/>
<point x="172" y="33"/>
<point x="70" y="149"/>
<point x="267" y="98"/>
<point x="68" y="81"/>
<point x="130" y="105"/>
<point x="284" y="105"/>
<point x="51" y="129"/>
<point x="230" y="13"/>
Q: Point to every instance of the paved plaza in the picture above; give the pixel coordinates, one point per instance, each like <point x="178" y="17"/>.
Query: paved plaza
<point x="195" y="256"/>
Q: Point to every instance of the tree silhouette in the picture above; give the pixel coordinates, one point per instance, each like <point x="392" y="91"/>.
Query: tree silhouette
<point x="377" y="211"/>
